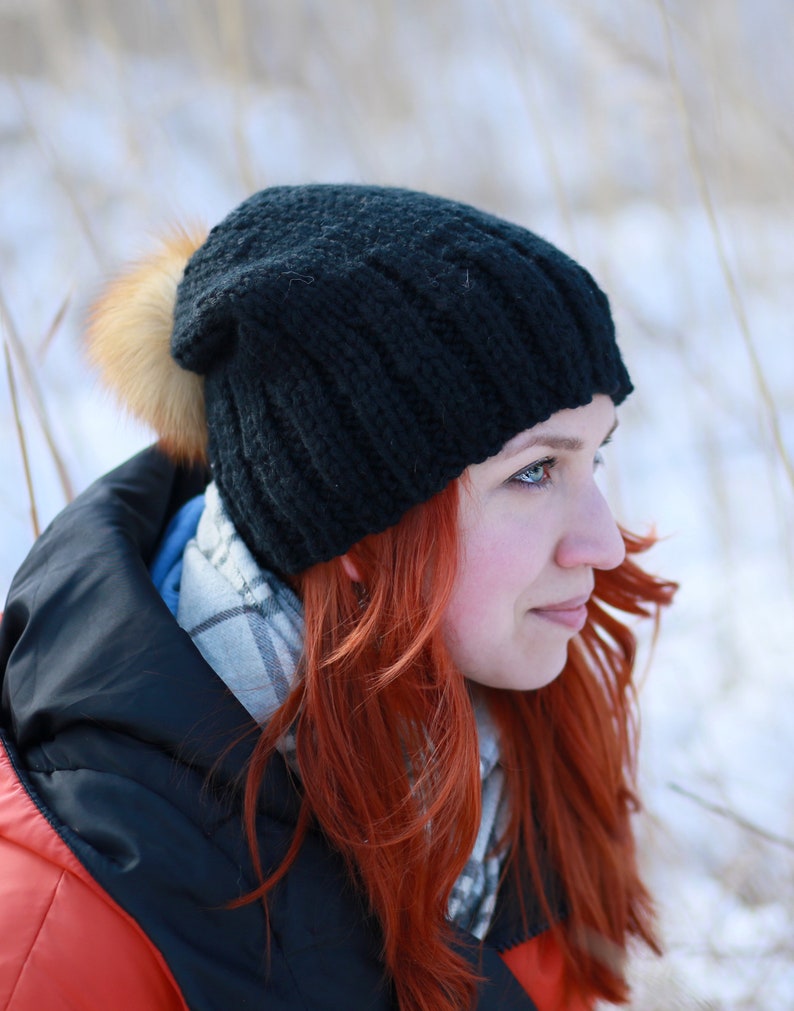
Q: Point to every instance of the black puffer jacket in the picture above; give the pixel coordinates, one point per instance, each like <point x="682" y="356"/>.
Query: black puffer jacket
<point x="115" y="722"/>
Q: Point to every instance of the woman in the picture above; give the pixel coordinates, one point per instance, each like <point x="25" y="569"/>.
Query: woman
<point x="382" y="758"/>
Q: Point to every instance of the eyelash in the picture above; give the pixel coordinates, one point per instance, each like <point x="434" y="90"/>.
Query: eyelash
<point x="548" y="463"/>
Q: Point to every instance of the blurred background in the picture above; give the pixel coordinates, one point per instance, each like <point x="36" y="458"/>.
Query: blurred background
<point x="653" y="140"/>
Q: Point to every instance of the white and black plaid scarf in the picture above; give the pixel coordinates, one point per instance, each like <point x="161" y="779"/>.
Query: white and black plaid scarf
<point x="248" y="625"/>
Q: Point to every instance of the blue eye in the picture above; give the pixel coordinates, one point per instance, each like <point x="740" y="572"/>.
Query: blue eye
<point x="536" y="475"/>
<point x="598" y="460"/>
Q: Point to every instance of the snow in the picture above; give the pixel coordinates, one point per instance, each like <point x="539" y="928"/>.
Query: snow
<point x="567" y="122"/>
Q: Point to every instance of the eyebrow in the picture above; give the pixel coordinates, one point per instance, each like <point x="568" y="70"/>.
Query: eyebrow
<point x="549" y="439"/>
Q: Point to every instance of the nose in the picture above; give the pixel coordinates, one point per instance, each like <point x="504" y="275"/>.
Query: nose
<point x="590" y="536"/>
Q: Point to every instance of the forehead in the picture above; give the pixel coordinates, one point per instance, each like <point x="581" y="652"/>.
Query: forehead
<point x="568" y="429"/>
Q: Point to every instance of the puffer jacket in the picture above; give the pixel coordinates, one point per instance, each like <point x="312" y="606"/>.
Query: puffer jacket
<point x="120" y="825"/>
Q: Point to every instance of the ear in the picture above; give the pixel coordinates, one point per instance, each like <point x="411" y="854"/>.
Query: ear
<point x="351" y="568"/>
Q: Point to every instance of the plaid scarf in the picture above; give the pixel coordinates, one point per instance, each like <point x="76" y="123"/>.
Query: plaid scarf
<point x="248" y="625"/>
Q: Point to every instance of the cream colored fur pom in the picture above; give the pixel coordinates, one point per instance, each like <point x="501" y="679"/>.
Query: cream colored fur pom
<point x="129" y="339"/>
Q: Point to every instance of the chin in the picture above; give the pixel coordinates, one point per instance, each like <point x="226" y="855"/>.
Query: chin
<point x="544" y="673"/>
<point x="552" y="676"/>
<point x="514" y="673"/>
<point x="521" y="680"/>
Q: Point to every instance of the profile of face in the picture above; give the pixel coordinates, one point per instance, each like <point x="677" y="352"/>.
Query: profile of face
<point x="534" y="526"/>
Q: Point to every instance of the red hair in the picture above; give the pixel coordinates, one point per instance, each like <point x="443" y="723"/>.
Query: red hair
<point x="387" y="749"/>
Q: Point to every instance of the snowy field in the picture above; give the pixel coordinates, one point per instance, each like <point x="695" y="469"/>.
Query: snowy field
<point x="654" y="141"/>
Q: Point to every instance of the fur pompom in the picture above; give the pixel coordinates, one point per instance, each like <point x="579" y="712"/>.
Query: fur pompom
<point x="129" y="339"/>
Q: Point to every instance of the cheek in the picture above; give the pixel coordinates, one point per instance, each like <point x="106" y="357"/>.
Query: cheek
<point x="496" y="568"/>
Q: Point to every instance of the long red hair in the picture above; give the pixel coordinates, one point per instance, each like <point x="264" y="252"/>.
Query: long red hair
<point x="387" y="749"/>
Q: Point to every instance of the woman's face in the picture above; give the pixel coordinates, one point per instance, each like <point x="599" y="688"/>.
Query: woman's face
<point x="533" y="528"/>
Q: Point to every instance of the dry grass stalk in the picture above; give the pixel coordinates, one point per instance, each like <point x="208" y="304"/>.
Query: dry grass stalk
<point x="737" y="819"/>
<point x="23" y="446"/>
<point x="62" y="177"/>
<point x="36" y="398"/>
<point x="53" y="328"/>
<point x="522" y="66"/>
<point x="759" y="377"/>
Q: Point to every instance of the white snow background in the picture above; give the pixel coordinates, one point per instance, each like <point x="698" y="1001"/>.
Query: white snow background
<point x="652" y="140"/>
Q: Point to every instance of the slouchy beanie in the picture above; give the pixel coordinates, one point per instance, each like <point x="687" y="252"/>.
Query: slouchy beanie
<point x="361" y="346"/>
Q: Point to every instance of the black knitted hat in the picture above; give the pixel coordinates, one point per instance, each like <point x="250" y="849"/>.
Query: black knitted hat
<point x="361" y="346"/>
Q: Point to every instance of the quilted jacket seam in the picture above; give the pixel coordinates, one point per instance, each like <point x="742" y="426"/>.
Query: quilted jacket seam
<point x="34" y="942"/>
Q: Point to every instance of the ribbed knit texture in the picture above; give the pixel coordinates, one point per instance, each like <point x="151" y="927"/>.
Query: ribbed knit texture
<point x="361" y="346"/>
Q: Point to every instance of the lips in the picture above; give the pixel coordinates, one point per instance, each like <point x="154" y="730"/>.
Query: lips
<point x="570" y="614"/>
